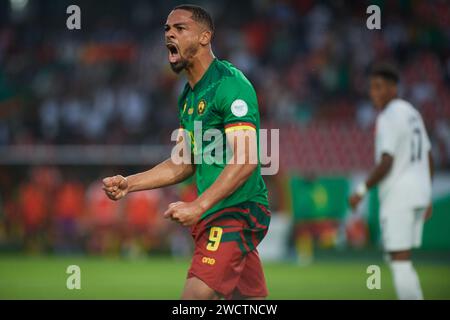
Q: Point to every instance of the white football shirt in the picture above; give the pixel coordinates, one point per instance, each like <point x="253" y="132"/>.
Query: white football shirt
<point x="401" y="133"/>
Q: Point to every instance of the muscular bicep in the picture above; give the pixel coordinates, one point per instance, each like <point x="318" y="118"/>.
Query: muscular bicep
<point x="180" y="163"/>
<point x="181" y="152"/>
<point x="242" y="147"/>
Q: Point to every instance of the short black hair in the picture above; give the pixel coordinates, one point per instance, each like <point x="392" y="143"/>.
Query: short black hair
<point x="386" y="71"/>
<point x="199" y="14"/>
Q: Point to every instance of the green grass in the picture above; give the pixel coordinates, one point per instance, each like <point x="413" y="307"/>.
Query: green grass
<point x="42" y="277"/>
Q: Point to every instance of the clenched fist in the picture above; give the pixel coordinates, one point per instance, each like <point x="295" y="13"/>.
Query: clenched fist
<point x="115" y="187"/>
<point x="185" y="213"/>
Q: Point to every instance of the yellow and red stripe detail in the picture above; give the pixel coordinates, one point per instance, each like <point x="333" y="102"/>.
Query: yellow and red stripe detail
<point x="240" y="126"/>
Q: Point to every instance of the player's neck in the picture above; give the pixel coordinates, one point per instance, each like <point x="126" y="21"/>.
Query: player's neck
<point x="198" y="67"/>
<point x="388" y="102"/>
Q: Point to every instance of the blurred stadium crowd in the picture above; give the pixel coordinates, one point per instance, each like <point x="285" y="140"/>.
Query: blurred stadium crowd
<point x="54" y="210"/>
<point x="109" y="83"/>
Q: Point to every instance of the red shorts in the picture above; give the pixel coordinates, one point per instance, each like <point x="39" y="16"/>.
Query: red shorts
<point x="225" y="255"/>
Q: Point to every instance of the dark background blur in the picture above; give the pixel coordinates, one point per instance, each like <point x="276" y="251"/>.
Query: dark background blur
<point x="78" y="105"/>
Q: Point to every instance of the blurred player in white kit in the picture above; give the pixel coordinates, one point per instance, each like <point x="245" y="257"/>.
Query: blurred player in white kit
<point x="404" y="170"/>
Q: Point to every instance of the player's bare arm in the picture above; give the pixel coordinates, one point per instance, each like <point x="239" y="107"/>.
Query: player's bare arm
<point x="164" y="174"/>
<point x="230" y="179"/>
<point x="378" y="173"/>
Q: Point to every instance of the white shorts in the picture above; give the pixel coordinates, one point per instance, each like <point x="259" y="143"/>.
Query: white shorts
<point x="401" y="226"/>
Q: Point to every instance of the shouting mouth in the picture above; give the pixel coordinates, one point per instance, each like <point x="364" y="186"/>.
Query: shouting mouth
<point x="174" y="53"/>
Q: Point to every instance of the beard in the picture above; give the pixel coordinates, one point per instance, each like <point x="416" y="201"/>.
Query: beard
<point x="179" y="66"/>
<point x="184" y="61"/>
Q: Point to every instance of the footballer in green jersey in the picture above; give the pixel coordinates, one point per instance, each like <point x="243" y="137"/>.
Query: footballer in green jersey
<point x="225" y="100"/>
<point x="219" y="122"/>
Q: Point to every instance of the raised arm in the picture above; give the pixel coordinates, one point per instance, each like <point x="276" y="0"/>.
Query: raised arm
<point x="243" y="162"/>
<point x="164" y="174"/>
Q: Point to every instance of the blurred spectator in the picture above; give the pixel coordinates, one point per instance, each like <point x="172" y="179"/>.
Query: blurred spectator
<point x="69" y="209"/>
<point x="33" y="206"/>
<point x="143" y="214"/>
<point x="103" y="223"/>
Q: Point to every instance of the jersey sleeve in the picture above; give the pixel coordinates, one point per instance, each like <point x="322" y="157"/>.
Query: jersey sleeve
<point x="386" y="136"/>
<point x="237" y="102"/>
<point x="426" y="139"/>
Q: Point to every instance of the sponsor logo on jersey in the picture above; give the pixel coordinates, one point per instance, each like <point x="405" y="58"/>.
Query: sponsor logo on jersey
<point x="208" y="260"/>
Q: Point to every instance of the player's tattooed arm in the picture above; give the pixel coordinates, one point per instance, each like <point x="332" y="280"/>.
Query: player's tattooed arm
<point x="378" y="173"/>
<point x="239" y="168"/>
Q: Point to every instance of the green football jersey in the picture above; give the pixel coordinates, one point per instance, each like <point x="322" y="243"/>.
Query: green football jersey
<point x="223" y="100"/>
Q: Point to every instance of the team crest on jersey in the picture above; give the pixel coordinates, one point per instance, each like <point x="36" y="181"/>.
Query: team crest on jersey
<point x="201" y="107"/>
<point x="190" y="110"/>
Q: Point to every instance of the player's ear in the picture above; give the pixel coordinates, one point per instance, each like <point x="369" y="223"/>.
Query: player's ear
<point x="205" y="37"/>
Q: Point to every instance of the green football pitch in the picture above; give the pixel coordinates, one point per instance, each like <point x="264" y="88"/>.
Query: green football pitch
<point x="43" y="277"/>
